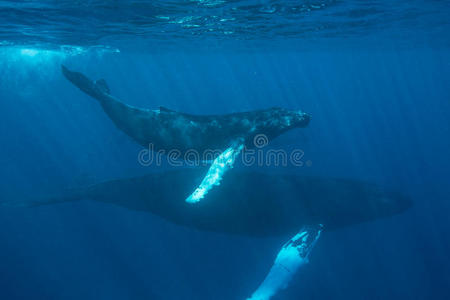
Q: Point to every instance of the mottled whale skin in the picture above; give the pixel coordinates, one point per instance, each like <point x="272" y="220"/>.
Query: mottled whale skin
<point x="167" y="129"/>
<point x="248" y="203"/>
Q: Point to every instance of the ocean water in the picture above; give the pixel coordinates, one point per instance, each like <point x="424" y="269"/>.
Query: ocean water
<point x="374" y="75"/>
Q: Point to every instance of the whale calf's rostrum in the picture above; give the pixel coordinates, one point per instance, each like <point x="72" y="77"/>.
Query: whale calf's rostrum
<point x="168" y="130"/>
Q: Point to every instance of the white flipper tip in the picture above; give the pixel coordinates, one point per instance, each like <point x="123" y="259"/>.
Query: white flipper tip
<point x="196" y="196"/>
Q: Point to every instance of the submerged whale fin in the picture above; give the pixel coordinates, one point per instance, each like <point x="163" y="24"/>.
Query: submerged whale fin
<point x="220" y="165"/>
<point x="96" y="89"/>
<point x="103" y="86"/>
<point x="165" y="109"/>
<point x="290" y="259"/>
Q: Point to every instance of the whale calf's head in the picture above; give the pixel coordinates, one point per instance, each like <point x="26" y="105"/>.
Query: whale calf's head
<point x="286" y="119"/>
<point x="275" y="121"/>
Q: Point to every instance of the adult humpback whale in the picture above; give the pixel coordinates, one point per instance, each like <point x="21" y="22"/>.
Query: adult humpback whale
<point x="249" y="203"/>
<point x="170" y="130"/>
<point x="252" y="203"/>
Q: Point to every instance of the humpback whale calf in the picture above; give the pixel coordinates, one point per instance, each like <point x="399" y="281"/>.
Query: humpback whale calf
<point x="257" y="204"/>
<point x="168" y="130"/>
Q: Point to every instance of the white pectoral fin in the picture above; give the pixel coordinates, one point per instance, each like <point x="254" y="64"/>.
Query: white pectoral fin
<point x="290" y="259"/>
<point x="219" y="166"/>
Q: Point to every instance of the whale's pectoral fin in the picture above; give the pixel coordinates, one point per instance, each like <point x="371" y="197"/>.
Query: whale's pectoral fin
<point x="93" y="88"/>
<point x="290" y="259"/>
<point x="219" y="166"/>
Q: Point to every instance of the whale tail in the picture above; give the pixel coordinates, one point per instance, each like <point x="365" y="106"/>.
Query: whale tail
<point x="97" y="89"/>
<point x="33" y="201"/>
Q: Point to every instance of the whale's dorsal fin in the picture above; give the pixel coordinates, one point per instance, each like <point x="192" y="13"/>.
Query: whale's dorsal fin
<point x="101" y="84"/>
<point x="165" y="109"/>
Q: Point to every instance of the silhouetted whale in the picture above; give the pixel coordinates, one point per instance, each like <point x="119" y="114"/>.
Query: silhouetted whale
<point x="248" y="203"/>
<point x="255" y="204"/>
<point x="167" y="130"/>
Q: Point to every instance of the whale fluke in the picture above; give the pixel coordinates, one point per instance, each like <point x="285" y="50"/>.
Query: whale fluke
<point x="82" y="82"/>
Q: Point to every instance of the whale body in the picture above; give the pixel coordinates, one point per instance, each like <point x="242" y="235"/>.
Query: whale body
<point x="169" y="130"/>
<point x="248" y="203"/>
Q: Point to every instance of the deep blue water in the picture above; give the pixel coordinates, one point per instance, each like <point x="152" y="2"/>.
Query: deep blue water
<point x="374" y="76"/>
